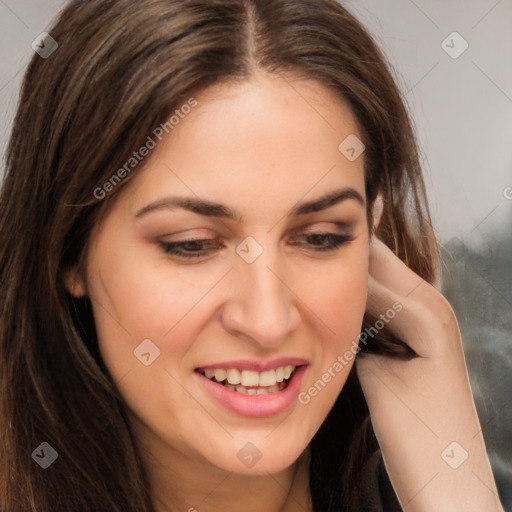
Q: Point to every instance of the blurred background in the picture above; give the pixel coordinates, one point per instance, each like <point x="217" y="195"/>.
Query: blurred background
<point x="453" y="61"/>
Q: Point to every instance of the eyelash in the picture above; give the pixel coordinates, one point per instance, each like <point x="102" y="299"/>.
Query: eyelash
<point x="335" y="241"/>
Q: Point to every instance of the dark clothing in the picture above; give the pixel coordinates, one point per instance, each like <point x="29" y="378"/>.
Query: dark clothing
<point x="379" y="495"/>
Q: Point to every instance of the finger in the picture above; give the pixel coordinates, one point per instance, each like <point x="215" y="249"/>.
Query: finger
<point x="401" y="313"/>
<point x="422" y="319"/>
<point x="390" y="270"/>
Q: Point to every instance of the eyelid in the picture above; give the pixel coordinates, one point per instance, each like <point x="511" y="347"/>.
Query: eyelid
<point x="325" y="227"/>
<point x="181" y="236"/>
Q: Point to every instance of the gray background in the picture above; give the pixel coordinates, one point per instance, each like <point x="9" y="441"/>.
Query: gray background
<point x="462" y="108"/>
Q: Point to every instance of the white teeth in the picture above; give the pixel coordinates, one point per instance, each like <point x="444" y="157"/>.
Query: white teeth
<point x="268" y="378"/>
<point x="250" y="378"/>
<point x="220" y="374"/>
<point x="234" y="376"/>
<point x="256" y="391"/>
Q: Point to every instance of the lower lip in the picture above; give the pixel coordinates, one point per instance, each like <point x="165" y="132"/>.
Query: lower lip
<point x="255" y="405"/>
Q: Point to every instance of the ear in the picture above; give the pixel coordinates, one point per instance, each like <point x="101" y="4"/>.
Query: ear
<point x="75" y="283"/>
<point x="377" y="209"/>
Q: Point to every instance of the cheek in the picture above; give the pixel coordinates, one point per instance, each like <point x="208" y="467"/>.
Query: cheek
<point x="346" y="304"/>
<point x="146" y="299"/>
<point x="338" y="298"/>
<point x="134" y="300"/>
<point x="339" y="301"/>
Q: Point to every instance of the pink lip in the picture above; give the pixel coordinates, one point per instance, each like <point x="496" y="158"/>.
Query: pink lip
<point x="257" y="366"/>
<point x="254" y="405"/>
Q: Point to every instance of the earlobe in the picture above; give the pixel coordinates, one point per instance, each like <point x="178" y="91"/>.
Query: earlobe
<point x="74" y="283"/>
<point x="377" y="209"/>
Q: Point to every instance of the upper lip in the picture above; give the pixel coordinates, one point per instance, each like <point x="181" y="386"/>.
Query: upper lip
<point x="255" y="365"/>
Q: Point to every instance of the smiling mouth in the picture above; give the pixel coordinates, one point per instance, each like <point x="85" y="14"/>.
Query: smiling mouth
<point x="249" y="382"/>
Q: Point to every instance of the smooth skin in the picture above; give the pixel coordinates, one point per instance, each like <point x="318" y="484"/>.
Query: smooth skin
<point x="261" y="148"/>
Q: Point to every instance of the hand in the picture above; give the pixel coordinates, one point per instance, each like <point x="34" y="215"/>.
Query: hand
<point x="420" y="407"/>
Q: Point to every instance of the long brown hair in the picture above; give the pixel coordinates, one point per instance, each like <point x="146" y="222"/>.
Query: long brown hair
<point x="120" y="70"/>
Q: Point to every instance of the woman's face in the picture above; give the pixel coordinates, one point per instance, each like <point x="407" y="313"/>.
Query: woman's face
<point x="220" y="258"/>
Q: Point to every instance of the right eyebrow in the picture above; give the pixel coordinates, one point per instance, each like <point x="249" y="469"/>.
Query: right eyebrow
<point x="199" y="206"/>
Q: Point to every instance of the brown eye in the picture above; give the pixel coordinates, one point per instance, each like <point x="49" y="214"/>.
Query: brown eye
<point x="190" y="248"/>
<point x="322" y="241"/>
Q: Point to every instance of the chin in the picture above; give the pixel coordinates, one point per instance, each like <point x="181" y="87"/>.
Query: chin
<point x="258" y="456"/>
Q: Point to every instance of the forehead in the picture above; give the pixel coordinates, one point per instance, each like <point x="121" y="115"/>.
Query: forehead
<point x="271" y="139"/>
<point x="269" y="113"/>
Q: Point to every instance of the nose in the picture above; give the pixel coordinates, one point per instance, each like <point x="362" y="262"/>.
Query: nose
<point x="261" y="305"/>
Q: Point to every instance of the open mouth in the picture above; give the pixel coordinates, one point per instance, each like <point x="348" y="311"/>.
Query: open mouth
<point x="249" y="382"/>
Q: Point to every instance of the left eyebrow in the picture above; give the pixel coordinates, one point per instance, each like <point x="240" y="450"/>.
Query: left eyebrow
<point x="328" y="200"/>
<point x="212" y="209"/>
